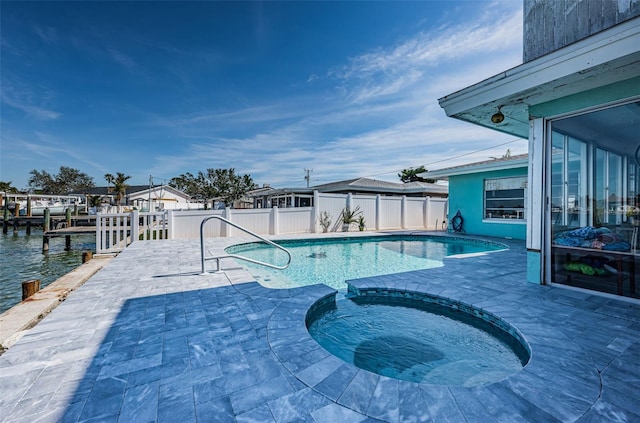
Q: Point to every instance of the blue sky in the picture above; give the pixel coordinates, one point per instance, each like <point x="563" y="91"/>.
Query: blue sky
<point x="347" y="89"/>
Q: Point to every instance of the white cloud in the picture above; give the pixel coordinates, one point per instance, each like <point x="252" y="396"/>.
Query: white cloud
<point x="22" y="97"/>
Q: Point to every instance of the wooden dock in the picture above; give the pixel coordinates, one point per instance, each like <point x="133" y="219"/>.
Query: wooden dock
<point x="38" y="221"/>
<point x="66" y="232"/>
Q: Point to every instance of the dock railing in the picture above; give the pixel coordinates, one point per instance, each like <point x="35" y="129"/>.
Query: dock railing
<point x="115" y="231"/>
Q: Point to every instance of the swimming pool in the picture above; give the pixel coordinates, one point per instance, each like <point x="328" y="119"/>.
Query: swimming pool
<point x="333" y="261"/>
<point x="418" y="338"/>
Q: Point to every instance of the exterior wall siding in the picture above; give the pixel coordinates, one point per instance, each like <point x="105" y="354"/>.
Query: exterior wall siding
<point x="466" y="193"/>
<point x="552" y="24"/>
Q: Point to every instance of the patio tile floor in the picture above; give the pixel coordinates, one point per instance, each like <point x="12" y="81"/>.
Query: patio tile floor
<point x="148" y="338"/>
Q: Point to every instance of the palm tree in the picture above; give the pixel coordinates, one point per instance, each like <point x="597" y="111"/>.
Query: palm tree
<point x="119" y="185"/>
<point x="412" y="175"/>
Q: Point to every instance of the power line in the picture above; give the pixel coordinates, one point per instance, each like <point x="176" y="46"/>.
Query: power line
<point x="307" y="176"/>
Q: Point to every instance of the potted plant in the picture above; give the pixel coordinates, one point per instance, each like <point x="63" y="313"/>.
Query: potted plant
<point x="324" y="220"/>
<point x="361" y="223"/>
<point x="349" y="216"/>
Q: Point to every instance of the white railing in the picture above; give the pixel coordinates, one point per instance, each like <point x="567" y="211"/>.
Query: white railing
<point x="217" y="258"/>
<point x="115" y="231"/>
<point x="380" y="212"/>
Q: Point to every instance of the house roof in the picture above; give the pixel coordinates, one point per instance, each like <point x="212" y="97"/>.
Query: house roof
<point x="501" y="163"/>
<point x="366" y="185"/>
<point x="131" y="190"/>
<point x="601" y="59"/>
<point x="383" y="187"/>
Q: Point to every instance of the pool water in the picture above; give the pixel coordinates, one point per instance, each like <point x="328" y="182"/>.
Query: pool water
<point x="416" y="341"/>
<point x="333" y="261"/>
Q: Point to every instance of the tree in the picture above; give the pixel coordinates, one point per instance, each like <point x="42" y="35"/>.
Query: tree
<point x="411" y="175"/>
<point x="222" y="184"/>
<point x="67" y="180"/>
<point x="188" y="184"/>
<point x="7" y="187"/>
<point x="119" y="183"/>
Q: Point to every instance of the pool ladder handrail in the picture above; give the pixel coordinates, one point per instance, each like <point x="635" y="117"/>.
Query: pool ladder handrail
<point x="236" y="256"/>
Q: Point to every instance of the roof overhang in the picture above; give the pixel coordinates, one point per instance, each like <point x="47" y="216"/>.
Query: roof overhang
<point x="483" y="167"/>
<point x="604" y="58"/>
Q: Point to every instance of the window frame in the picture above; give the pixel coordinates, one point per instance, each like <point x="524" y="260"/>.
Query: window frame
<point x="521" y="214"/>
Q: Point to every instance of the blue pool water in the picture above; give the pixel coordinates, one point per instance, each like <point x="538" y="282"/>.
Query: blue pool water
<point x="416" y="341"/>
<point x="333" y="261"/>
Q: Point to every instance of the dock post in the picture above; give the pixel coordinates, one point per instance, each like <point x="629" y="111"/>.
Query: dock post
<point x="28" y="206"/>
<point x="45" y="229"/>
<point x="68" y="216"/>
<point x="16" y="213"/>
<point x="46" y="221"/>
<point x="86" y="256"/>
<point x="29" y="288"/>
<point x="5" y="221"/>
<point x="67" y="242"/>
<point x="28" y="226"/>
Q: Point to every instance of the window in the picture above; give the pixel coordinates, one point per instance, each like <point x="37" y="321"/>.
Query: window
<point x="504" y="198"/>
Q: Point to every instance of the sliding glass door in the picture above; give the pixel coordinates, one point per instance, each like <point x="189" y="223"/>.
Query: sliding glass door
<point x="594" y="207"/>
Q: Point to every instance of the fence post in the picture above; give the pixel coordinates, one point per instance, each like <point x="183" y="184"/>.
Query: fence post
<point x="135" y="227"/>
<point x="403" y="212"/>
<point x="98" y="233"/>
<point x="316" y="212"/>
<point x="274" y="221"/>
<point x="169" y="215"/>
<point x="225" y="230"/>
<point x="426" y="212"/>
<point x="378" y="211"/>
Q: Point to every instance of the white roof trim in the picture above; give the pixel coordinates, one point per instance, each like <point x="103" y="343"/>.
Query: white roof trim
<point x="484" y="167"/>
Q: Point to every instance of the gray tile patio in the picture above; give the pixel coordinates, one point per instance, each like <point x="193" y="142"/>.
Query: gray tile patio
<point x="149" y="339"/>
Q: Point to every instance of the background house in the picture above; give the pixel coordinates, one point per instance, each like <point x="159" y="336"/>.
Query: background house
<point x="145" y="197"/>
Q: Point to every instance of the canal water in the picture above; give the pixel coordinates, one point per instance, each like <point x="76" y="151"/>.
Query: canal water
<point x="21" y="259"/>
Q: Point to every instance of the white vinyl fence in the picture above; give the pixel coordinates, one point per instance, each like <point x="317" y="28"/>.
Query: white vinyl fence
<point x="113" y="231"/>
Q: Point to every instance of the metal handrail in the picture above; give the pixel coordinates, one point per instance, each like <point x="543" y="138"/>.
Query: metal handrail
<point x="217" y="258"/>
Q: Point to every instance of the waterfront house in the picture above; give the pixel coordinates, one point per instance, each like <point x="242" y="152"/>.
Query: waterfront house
<point x="576" y="98"/>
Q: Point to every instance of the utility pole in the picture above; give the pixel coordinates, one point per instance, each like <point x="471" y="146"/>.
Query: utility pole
<point x="307" y="176"/>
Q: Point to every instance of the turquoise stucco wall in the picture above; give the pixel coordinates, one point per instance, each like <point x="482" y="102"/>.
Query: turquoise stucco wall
<point x="466" y="193"/>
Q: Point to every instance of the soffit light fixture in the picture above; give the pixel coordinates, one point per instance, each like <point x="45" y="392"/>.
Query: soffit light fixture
<point x="497" y="117"/>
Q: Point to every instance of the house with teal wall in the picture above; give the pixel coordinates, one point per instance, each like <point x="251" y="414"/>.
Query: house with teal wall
<point x="490" y="196"/>
<point x="576" y="98"/>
